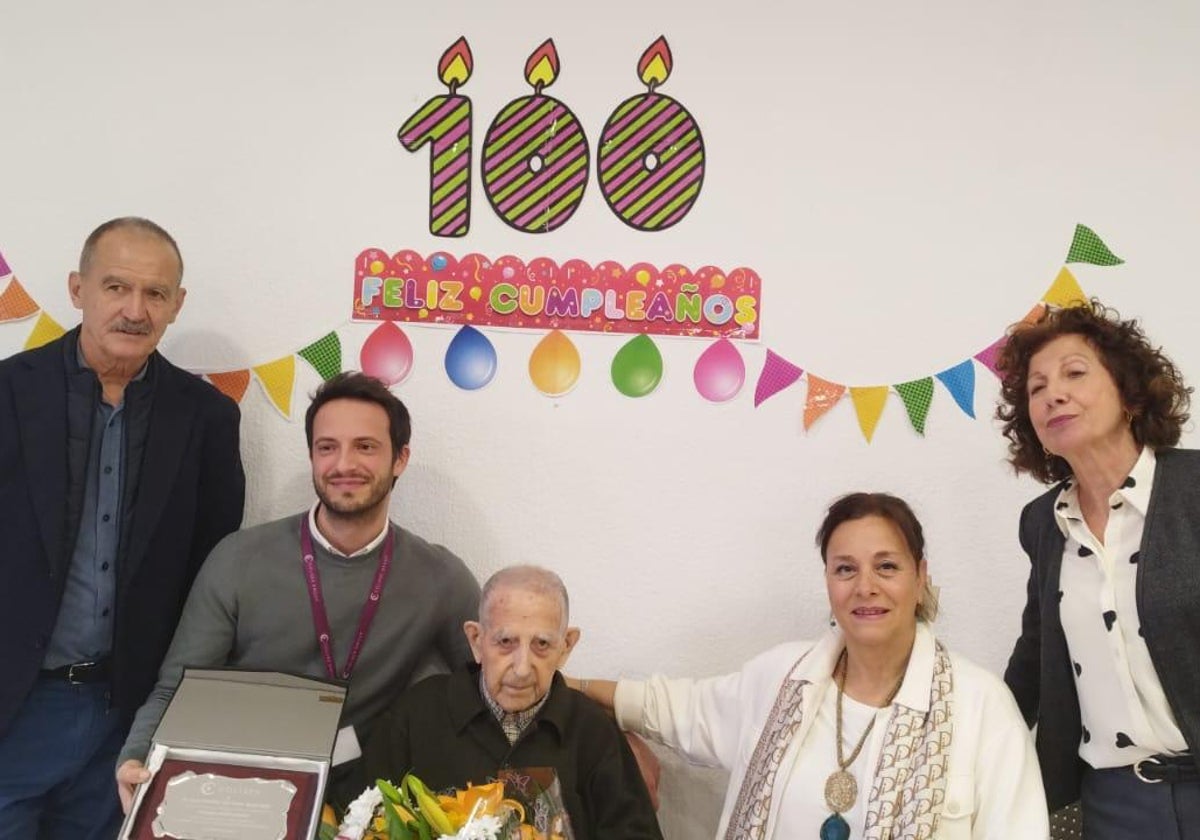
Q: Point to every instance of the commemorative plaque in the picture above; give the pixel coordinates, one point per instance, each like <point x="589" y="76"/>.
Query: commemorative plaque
<point x="239" y="755"/>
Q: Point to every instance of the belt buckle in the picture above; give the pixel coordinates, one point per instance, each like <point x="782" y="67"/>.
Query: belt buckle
<point x="1137" y="770"/>
<point x="81" y="666"/>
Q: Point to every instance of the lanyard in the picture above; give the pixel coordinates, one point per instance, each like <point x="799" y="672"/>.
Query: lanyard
<point x="321" y="619"/>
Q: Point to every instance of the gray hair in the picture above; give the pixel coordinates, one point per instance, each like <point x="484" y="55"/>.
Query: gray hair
<point x="528" y="578"/>
<point x="127" y="223"/>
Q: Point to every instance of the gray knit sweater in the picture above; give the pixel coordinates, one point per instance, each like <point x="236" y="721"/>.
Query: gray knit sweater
<point x="249" y="608"/>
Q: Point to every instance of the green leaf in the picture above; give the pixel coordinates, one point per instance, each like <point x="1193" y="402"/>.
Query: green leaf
<point x="327" y="832"/>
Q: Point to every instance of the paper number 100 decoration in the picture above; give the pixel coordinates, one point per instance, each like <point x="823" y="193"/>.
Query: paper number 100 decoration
<point x="535" y="154"/>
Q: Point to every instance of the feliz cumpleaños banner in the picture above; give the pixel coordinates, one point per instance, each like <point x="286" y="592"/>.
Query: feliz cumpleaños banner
<point x="476" y="296"/>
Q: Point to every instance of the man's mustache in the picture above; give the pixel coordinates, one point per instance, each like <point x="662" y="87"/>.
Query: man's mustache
<point x="135" y="327"/>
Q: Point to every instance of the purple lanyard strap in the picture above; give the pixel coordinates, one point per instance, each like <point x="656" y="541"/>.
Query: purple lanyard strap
<point x="321" y="618"/>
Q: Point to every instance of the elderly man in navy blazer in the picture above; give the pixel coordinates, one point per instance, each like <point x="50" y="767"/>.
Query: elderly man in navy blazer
<point x="118" y="473"/>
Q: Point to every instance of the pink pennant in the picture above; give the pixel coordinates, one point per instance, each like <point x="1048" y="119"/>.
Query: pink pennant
<point x="988" y="356"/>
<point x="777" y="373"/>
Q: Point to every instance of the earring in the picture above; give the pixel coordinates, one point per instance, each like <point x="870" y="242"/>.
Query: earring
<point x="1128" y="417"/>
<point x="1047" y="453"/>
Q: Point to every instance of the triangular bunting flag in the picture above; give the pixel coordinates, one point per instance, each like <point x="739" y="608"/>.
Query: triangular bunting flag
<point x="960" y="382"/>
<point x="822" y="396"/>
<point x="4" y="269"/>
<point x="1035" y="314"/>
<point x="987" y="357"/>
<point x="1065" y="291"/>
<point x="325" y="355"/>
<point x="868" y="404"/>
<point x="1087" y="247"/>
<point x="917" y="396"/>
<point x="777" y="373"/>
<point x="277" y="378"/>
<point x="231" y="383"/>
<point x="16" y="303"/>
<point x="44" y="331"/>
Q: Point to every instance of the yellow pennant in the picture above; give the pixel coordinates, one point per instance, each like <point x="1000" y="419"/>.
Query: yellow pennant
<point x="868" y="404"/>
<point x="277" y="379"/>
<point x="1064" y="291"/>
<point x="44" y="331"/>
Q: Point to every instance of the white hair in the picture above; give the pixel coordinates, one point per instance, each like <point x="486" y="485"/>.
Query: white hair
<point x="528" y="578"/>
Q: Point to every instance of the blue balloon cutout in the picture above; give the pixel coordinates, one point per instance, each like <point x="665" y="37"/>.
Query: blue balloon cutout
<point x="470" y="359"/>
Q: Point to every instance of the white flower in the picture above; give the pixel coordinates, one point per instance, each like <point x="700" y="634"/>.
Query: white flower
<point x="480" y="828"/>
<point x="359" y="815"/>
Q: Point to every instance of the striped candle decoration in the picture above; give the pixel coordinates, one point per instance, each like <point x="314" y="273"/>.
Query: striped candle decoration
<point x="444" y="122"/>
<point x="651" y="158"/>
<point x="535" y="155"/>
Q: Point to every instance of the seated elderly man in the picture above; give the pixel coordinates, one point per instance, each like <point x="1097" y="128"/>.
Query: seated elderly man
<point x="513" y="709"/>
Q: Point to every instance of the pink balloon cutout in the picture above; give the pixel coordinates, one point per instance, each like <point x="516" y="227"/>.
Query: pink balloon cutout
<point x="387" y="354"/>
<point x="720" y="372"/>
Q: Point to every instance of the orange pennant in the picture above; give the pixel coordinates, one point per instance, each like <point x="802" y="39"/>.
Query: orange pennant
<point x="868" y="404"/>
<point x="231" y="383"/>
<point x="822" y="396"/>
<point x="16" y="303"/>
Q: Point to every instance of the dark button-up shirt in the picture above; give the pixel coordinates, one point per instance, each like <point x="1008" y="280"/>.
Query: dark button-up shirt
<point x="84" y="629"/>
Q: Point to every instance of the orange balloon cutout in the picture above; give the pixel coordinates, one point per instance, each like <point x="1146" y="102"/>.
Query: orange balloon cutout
<point x="554" y="364"/>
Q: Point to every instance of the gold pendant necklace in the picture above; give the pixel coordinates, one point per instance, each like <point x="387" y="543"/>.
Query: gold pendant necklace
<point x="841" y="789"/>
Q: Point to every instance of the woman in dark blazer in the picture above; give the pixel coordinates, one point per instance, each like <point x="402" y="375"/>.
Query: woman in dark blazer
<point x="1108" y="661"/>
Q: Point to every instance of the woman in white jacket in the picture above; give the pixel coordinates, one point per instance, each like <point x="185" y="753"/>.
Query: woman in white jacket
<point x="874" y="731"/>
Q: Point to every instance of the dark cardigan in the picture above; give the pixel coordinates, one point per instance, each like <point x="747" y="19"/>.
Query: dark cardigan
<point x="442" y="731"/>
<point x="1168" y="598"/>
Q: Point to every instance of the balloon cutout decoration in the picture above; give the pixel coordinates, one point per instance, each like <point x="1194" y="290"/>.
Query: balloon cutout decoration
<point x="387" y="354"/>
<point x="720" y="372"/>
<point x="637" y="368"/>
<point x="554" y="364"/>
<point x="470" y="359"/>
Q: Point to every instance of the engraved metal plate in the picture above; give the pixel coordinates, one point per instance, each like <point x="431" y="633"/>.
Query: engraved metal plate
<point x="212" y="807"/>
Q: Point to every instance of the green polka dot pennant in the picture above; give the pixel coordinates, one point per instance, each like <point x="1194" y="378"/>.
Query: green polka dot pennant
<point x="1087" y="247"/>
<point x="325" y="355"/>
<point x="917" y="395"/>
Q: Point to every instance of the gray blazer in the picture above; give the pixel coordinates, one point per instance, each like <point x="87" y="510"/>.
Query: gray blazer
<point x="1168" y="598"/>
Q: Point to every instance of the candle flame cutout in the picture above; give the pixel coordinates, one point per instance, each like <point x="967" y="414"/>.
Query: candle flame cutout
<point x="655" y="64"/>
<point x="542" y="67"/>
<point x="456" y="64"/>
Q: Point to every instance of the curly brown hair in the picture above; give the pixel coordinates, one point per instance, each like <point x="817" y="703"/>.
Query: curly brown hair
<point x="1151" y="387"/>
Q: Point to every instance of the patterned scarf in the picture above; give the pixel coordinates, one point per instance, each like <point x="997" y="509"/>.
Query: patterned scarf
<point x="908" y="789"/>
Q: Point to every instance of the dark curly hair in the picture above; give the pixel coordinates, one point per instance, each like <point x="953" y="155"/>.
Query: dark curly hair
<point x="1151" y="387"/>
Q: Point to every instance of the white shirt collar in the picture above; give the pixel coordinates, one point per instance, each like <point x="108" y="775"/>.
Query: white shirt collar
<point x="1135" y="491"/>
<point x="817" y="666"/>
<point x="325" y="544"/>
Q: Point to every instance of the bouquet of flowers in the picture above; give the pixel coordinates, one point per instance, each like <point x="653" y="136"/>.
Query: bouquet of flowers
<point x="410" y="811"/>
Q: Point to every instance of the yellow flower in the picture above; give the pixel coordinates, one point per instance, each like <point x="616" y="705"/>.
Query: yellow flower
<point x="460" y="806"/>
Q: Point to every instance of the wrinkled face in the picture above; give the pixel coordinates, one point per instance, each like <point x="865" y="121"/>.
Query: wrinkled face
<point x="352" y="463"/>
<point x="520" y="643"/>
<point x="1074" y="404"/>
<point x="128" y="295"/>
<point x="874" y="582"/>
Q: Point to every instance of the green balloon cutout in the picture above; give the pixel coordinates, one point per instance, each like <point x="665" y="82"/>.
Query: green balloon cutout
<point x="637" y="368"/>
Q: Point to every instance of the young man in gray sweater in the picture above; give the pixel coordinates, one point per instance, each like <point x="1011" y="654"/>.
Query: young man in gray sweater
<point x="338" y="591"/>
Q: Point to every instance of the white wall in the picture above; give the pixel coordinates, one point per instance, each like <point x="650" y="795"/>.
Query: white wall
<point x="905" y="179"/>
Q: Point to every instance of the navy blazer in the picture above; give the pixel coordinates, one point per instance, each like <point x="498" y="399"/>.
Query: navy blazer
<point x="190" y="494"/>
<point x="1168" y="598"/>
